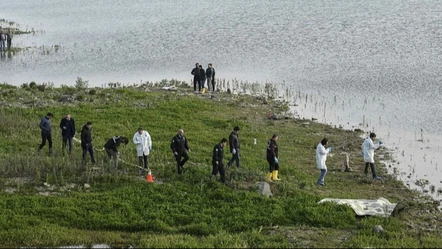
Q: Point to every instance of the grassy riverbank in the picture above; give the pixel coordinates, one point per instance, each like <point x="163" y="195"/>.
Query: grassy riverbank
<point x="45" y="201"/>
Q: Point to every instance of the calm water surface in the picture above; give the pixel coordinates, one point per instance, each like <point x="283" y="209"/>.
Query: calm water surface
<point x="374" y="65"/>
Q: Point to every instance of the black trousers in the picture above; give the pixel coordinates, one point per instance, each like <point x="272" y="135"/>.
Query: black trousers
<point x="67" y="139"/>
<point x="88" y="148"/>
<point x="142" y="160"/>
<point x="373" y="171"/>
<point x="45" y="136"/>
<point x="195" y="82"/>
<point x="272" y="164"/>
<point x="213" y="84"/>
<point x="180" y="162"/>
<point x="219" y="168"/>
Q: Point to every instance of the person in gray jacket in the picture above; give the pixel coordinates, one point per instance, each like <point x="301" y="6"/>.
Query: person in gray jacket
<point x="45" y="126"/>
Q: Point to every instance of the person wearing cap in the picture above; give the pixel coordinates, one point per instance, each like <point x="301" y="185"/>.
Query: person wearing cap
<point x="46" y="132"/>
<point x="273" y="159"/>
<point x="67" y="126"/>
<point x="321" y="157"/>
<point x="179" y="147"/>
<point x="111" y="149"/>
<point x="234" y="147"/>
<point x="143" y="143"/>
<point x="86" y="142"/>
<point x="368" y="148"/>
<point x="217" y="160"/>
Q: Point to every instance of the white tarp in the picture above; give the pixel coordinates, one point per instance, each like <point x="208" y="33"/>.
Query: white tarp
<point x="379" y="207"/>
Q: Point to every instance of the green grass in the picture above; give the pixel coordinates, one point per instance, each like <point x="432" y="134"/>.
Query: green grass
<point x="192" y="210"/>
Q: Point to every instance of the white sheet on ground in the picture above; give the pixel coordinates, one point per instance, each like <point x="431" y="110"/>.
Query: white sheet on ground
<point x="380" y="207"/>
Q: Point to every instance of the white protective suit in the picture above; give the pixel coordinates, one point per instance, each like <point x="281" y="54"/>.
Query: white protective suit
<point x="143" y="143"/>
<point x="368" y="148"/>
<point x="321" y="156"/>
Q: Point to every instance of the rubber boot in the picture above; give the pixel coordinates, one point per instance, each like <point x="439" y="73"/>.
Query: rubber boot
<point x="269" y="177"/>
<point x="275" y="176"/>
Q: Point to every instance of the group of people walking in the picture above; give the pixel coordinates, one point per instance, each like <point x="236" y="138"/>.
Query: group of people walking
<point x="180" y="149"/>
<point x="5" y="40"/>
<point x="201" y="76"/>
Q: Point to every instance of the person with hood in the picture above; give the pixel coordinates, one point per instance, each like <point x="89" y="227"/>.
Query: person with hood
<point x="67" y="126"/>
<point x="321" y="157"/>
<point x="143" y="143"/>
<point x="273" y="159"/>
<point x="217" y="160"/>
<point x="111" y="149"/>
<point x="179" y="147"/>
<point x="196" y="77"/>
<point x="46" y="132"/>
<point x="234" y="147"/>
<point x="86" y="142"/>
<point x="368" y="148"/>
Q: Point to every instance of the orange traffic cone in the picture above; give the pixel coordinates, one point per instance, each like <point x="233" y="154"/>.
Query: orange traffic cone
<point x="149" y="177"/>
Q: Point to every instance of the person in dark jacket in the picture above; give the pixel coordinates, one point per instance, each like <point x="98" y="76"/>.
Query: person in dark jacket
<point x="46" y="132"/>
<point x="217" y="160"/>
<point x="210" y="75"/>
<point x="179" y="147"/>
<point x="67" y="126"/>
<point x="9" y="40"/>
<point x="203" y="79"/>
<point x="111" y="149"/>
<point x="196" y="77"/>
<point x="86" y="142"/>
<point x="273" y="159"/>
<point x="234" y="147"/>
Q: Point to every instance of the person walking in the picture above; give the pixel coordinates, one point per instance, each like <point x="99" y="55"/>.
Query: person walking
<point x="321" y="157"/>
<point x="234" y="147"/>
<point x="111" y="150"/>
<point x="46" y="132"/>
<point x="209" y="76"/>
<point x="180" y="148"/>
<point x="86" y="142"/>
<point x="143" y="143"/>
<point x="368" y="148"/>
<point x="203" y="79"/>
<point x="273" y="159"/>
<point x="196" y="77"/>
<point x="217" y="160"/>
<point x="67" y="126"/>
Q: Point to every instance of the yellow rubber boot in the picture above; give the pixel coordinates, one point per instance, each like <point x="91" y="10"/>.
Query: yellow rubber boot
<point x="269" y="177"/>
<point x="275" y="175"/>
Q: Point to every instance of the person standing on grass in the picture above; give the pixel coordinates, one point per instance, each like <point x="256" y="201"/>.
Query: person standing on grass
<point x="111" y="150"/>
<point x="234" y="147"/>
<point x="203" y="79"/>
<point x="368" y="148"/>
<point x="67" y="126"/>
<point x="143" y="143"/>
<point x="180" y="148"/>
<point x="217" y="160"/>
<point x="2" y="41"/>
<point x="321" y="157"/>
<point x="86" y="142"/>
<point x="46" y="132"/>
<point x="210" y="74"/>
<point x="196" y="77"/>
<point x="273" y="159"/>
<point x="9" y="40"/>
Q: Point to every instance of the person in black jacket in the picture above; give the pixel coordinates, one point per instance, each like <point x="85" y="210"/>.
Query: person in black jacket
<point x="217" y="160"/>
<point x="196" y="77"/>
<point x="203" y="79"/>
<point x="46" y="132"/>
<point x="234" y="147"/>
<point x="86" y="142"/>
<point x="210" y="75"/>
<point x="179" y="147"/>
<point x="273" y="159"/>
<point x="111" y="149"/>
<point x="67" y="126"/>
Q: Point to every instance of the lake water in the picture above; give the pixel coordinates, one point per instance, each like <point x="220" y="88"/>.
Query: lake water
<point x="375" y="65"/>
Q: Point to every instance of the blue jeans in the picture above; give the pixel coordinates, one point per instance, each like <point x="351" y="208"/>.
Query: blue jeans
<point x="235" y="157"/>
<point x="67" y="139"/>
<point x="322" y="176"/>
<point x="3" y="45"/>
<point x="203" y="82"/>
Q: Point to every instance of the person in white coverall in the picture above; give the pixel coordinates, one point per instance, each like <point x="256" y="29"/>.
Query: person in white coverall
<point x="143" y="143"/>
<point x="368" y="148"/>
<point x="321" y="157"/>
